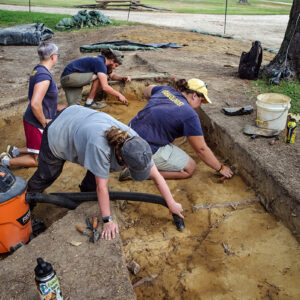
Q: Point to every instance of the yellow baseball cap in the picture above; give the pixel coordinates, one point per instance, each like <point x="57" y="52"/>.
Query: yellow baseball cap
<point x="198" y="86"/>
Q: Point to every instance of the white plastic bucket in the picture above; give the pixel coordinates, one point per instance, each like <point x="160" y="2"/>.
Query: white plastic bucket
<point x="272" y="110"/>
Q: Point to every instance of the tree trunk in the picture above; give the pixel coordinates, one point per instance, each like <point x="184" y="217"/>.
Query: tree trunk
<point x="243" y="2"/>
<point x="288" y="56"/>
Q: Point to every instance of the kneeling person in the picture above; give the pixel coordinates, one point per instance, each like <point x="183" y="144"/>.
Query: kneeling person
<point x="168" y="115"/>
<point x="95" y="70"/>
<point x="102" y="145"/>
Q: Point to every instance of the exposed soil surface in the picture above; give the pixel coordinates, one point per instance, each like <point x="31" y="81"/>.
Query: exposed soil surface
<point x="238" y="252"/>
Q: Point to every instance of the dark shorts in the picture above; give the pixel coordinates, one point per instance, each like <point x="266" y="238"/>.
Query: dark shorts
<point x="49" y="167"/>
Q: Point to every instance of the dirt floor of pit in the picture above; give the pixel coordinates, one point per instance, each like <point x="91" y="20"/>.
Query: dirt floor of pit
<point x="227" y="253"/>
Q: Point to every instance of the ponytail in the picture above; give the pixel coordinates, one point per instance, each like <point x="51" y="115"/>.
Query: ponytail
<point x="116" y="137"/>
<point x="181" y="85"/>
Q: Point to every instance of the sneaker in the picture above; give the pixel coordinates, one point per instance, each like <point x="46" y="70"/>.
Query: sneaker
<point x="12" y="150"/>
<point x="96" y="105"/>
<point x="4" y="159"/>
<point x="125" y="175"/>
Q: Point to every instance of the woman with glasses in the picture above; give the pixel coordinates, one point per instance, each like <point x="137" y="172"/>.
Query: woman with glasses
<point x="170" y="114"/>
<point x="41" y="109"/>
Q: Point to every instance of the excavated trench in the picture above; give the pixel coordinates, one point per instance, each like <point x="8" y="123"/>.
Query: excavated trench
<point x="232" y="248"/>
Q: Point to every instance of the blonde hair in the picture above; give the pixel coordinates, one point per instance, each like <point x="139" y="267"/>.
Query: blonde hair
<point x="116" y="137"/>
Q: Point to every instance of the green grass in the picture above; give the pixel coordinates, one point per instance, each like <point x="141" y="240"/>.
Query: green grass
<point x="12" y="18"/>
<point x="258" y="7"/>
<point x="291" y="89"/>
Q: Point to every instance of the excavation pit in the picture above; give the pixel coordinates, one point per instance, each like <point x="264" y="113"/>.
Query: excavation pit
<point x="231" y="252"/>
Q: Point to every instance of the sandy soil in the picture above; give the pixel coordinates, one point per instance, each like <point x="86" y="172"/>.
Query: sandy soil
<point x="230" y="253"/>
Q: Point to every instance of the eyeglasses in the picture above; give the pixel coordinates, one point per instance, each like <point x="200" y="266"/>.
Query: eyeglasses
<point x="58" y="55"/>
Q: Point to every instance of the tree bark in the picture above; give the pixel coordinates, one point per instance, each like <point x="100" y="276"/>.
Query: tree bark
<point x="289" y="52"/>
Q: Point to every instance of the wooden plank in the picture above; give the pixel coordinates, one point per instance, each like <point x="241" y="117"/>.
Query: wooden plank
<point x="152" y="7"/>
<point x="121" y="4"/>
<point x="108" y="1"/>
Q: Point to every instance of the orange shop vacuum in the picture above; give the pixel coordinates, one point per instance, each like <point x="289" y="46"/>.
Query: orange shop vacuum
<point x="15" y="218"/>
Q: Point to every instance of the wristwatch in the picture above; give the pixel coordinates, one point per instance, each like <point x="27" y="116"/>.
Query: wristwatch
<point x="107" y="219"/>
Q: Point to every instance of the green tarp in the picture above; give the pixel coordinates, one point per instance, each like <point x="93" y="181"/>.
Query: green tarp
<point x="83" y="19"/>
<point x="125" y="45"/>
<point x="99" y="48"/>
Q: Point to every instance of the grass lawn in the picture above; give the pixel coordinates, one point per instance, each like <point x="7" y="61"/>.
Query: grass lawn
<point x="258" y="7"/>
<point x="12" y="18"/>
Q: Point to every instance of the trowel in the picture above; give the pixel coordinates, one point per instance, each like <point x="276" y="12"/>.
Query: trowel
<point x="257" y="132"/>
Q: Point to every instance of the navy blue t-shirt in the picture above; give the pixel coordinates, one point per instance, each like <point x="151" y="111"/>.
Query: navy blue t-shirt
<point x="88" y="64"/>
<point x="49" y="103"/>
<point x="166" y="117"/>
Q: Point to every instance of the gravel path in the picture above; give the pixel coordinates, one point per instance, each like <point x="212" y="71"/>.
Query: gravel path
<point x="267" y="29"/>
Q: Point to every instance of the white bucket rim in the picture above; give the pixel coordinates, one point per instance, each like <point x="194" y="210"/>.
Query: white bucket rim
<point x="262" y="98"/>
<point x="275" y="107"/>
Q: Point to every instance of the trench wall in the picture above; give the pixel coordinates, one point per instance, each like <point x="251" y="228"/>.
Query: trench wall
<point x="278" y="198"/>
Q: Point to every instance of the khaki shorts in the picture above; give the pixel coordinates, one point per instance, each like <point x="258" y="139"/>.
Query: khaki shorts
<point x="170" y="158"/>
<point x="73" y="84"/>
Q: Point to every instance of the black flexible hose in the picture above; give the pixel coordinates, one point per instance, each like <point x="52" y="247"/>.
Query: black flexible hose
<point x="72" y="200"/>
<point x="33" y="198"/>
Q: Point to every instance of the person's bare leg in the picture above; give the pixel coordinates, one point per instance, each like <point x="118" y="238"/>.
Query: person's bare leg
<point x="187" y="172"/>
<point x="27" y="160"/>
<point x="94" y="88"/>
<point x="24" y="151"/>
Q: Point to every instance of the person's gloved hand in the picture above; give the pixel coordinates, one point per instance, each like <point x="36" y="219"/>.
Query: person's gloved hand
<point x="109" y="230"/>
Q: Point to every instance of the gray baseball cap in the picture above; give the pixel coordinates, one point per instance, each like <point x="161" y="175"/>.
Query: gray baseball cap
<point x="119" y="56"/>
<point x="137" y="155"/>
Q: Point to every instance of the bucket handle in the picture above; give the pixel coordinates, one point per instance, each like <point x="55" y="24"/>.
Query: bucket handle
<point x="260" y="121"/>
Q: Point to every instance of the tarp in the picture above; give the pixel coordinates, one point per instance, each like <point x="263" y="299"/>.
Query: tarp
<point x="83" y="19"/>
<point x="125" y="45"/>
<point x="216" y="34"/>
<point x="27" y="34"/>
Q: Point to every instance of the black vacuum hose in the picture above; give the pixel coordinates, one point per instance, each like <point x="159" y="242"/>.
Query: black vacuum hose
<point x="72" y="200"/>
<point x="33" y="198"/>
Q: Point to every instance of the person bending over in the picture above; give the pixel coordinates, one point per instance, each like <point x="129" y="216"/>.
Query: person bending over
<point x="95" y="70"/>
<point x="170" y="114"/>
<point x="42" y="107"/>
<point x="102" y="145"/>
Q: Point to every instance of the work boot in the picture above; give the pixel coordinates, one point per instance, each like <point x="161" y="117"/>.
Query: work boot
<point x="13" y="151"/>
<point x="4" y="159"/>
<point x="95" y="105"/>
<point x="125" y="175"/>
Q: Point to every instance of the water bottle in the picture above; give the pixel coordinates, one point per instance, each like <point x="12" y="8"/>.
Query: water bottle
<point x="290" y="132"/>
<point x="46" y="281"/>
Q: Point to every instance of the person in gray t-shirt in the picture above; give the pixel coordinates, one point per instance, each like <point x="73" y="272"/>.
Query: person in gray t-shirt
<point x="102" y="145"/>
